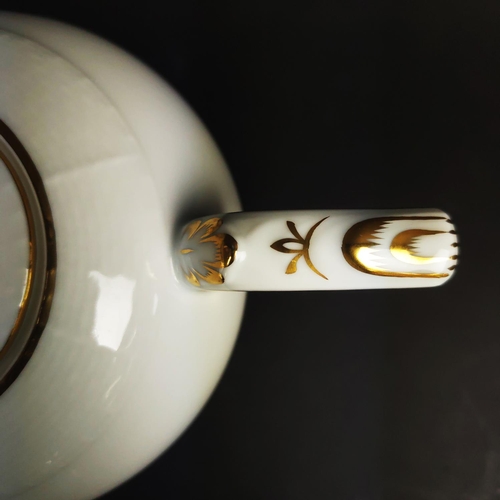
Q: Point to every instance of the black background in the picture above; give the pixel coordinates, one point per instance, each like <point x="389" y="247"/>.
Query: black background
<point x="355" y="104"/>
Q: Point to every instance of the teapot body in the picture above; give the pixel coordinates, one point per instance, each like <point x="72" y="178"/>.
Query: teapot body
<point x="128" y="355"/>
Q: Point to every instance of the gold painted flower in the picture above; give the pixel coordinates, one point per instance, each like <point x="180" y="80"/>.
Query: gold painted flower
<point x="205" y="252"/>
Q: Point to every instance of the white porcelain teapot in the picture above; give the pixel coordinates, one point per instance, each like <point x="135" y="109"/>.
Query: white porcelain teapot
<point x="117" y="212"/>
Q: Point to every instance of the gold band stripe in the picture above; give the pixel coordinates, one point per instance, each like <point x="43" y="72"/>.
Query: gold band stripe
<point x="10" y="372"/>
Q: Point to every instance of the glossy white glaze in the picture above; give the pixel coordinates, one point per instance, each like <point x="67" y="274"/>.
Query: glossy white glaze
<point x="316" y="241"/>
<point x="14" y="252"/>
<point x="129" y="355"/>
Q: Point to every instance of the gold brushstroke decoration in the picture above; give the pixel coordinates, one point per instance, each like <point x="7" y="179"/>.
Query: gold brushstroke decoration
<point x="225" y="248"/>
<point x="279" y="246"/>
<point x="361" y="238"/>
<point x="404" y="244"/>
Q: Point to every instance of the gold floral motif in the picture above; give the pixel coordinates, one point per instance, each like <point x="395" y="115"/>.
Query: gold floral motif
<point x="279" y="246"/>
<point x="224" y="252"/>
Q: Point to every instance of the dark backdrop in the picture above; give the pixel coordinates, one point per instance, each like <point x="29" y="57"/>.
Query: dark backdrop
<point x="321" y="104"/>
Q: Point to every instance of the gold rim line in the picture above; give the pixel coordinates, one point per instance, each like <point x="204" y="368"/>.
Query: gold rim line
<point x="51" y="258"/>
<point x="31" y="258"/>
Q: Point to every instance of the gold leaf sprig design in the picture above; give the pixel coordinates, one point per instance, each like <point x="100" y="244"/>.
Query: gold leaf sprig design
<point x="279" y="246"/>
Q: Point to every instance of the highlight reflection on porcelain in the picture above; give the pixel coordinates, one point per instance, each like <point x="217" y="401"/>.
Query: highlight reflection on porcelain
<point x="116" y="294"/>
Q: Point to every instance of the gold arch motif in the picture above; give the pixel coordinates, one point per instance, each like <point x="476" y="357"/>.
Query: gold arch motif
<point x="361" y="238"/>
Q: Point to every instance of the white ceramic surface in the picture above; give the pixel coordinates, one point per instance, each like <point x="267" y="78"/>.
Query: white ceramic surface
<point x="129" y="356"/>
<point x="14" y="252"/>
<point x="130" y="353"/>
<point x="319" y="250"/>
